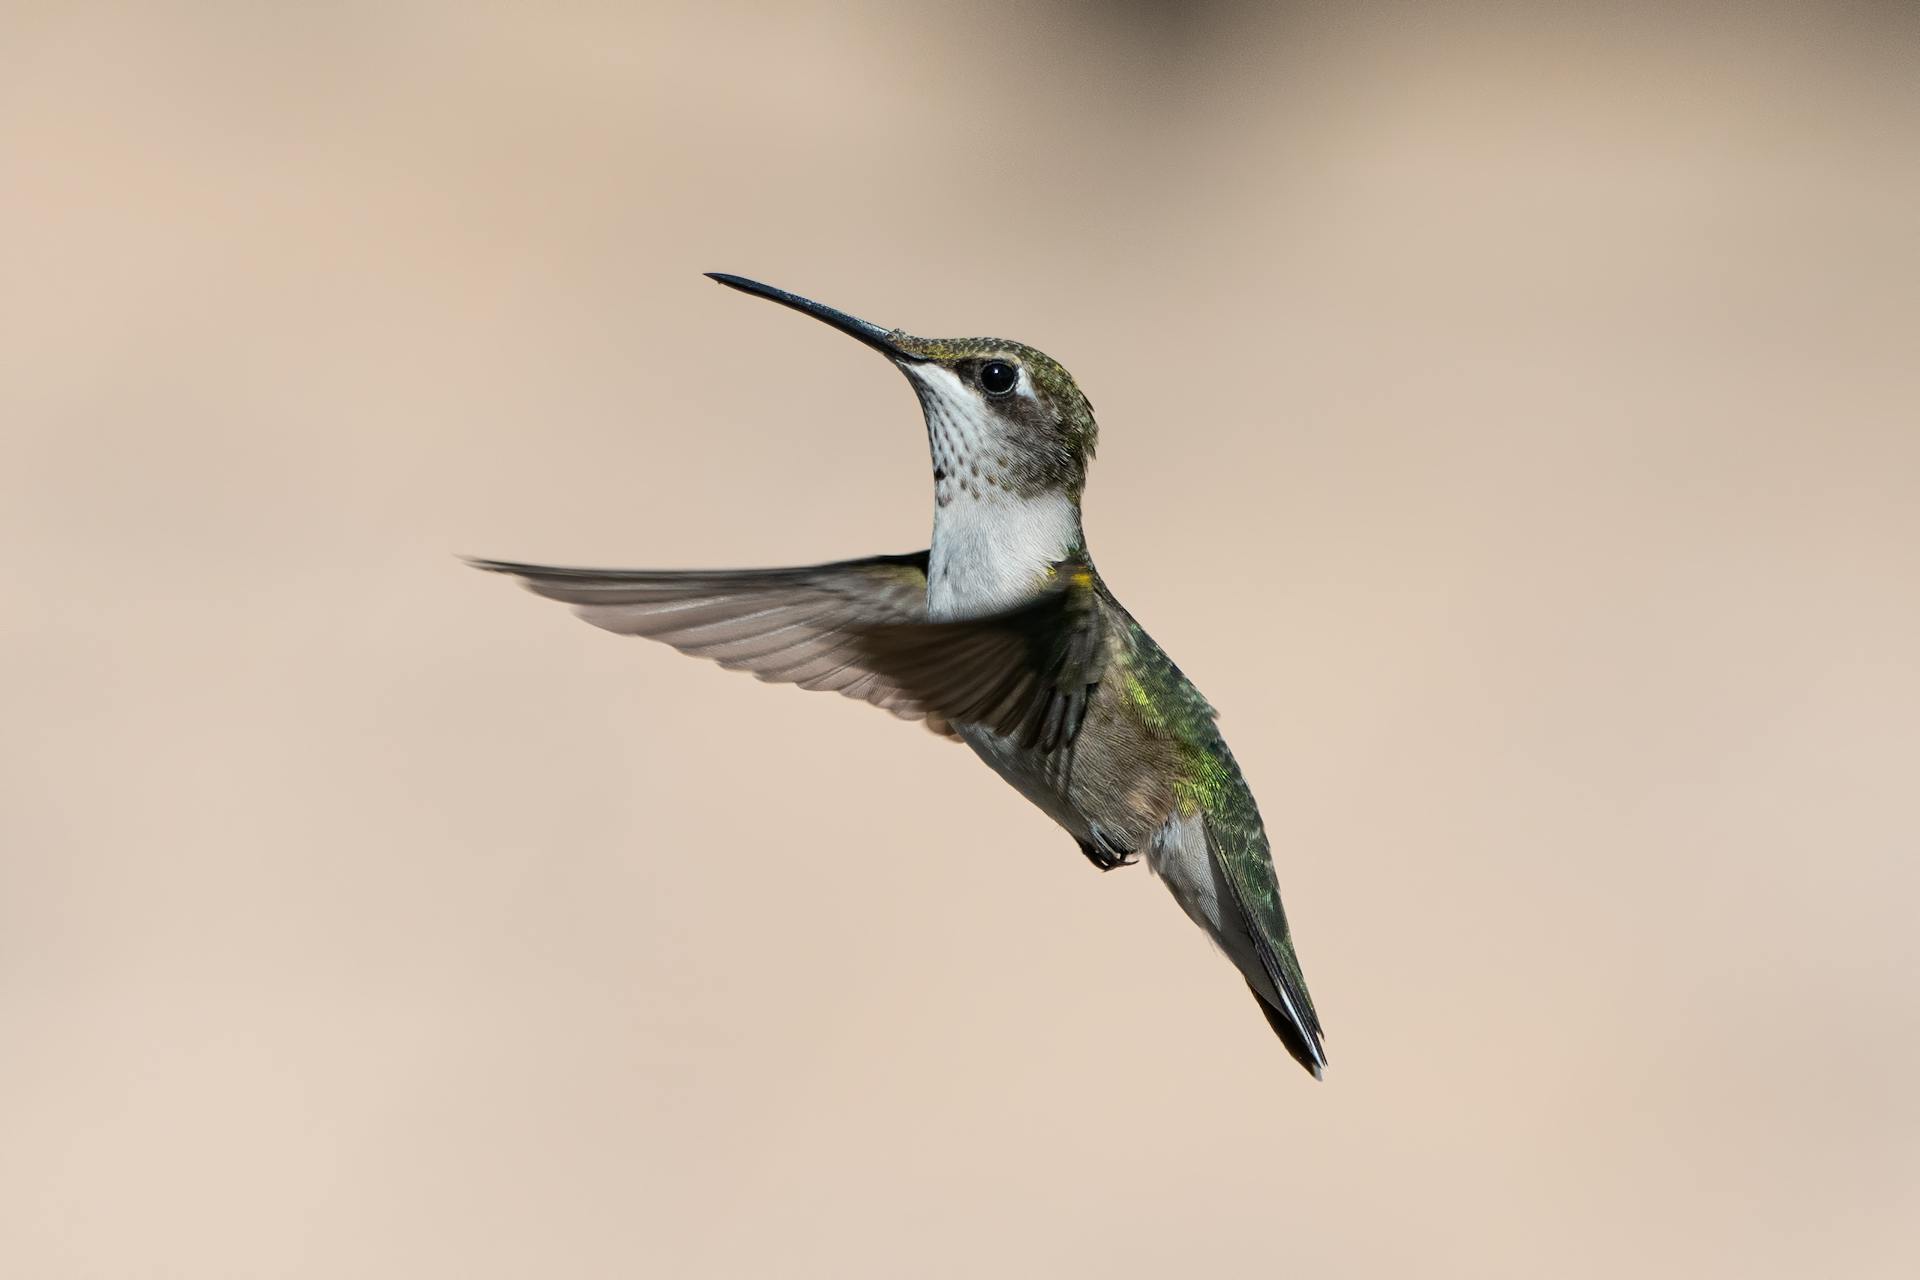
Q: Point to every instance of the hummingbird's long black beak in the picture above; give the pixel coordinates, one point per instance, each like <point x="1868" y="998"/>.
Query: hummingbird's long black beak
<point x="881" y="340"/>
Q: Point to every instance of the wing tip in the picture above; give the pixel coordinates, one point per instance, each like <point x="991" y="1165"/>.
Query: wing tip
<point x="1303" y="1041"/>
<point x="1315" y="1057"/>
<point x="491" y="566"/>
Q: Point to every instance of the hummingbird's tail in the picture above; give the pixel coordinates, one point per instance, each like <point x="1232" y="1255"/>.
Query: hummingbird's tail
<point x="1306" y="1052"/>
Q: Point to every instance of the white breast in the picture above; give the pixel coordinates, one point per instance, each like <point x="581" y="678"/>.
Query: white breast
<point x="993" y="551"/>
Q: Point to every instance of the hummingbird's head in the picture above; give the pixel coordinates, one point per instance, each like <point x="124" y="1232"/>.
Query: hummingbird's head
<point x="1000" y="415"/>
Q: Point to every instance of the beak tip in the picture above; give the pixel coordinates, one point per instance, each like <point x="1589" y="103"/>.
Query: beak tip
<point x="872" y="334"/>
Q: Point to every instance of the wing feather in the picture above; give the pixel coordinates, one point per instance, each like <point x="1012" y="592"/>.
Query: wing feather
<point x="800" y="626"/>
<point x="860" y="628"/>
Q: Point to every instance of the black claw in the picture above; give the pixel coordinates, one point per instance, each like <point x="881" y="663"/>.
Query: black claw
<point x="1103" y="855"/>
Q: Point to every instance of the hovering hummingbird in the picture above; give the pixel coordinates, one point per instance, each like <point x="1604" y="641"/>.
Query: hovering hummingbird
<point x="1003" y="636"/>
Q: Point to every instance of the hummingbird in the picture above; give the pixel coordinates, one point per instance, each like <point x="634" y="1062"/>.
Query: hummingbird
<point x="1001" y="635"/>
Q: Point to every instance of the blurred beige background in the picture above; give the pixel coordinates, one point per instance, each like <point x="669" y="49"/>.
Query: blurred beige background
<point x="1510" y="419"/>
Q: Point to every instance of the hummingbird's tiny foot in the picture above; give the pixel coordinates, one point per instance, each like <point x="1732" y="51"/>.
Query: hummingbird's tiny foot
<point x="1103" y="853"/>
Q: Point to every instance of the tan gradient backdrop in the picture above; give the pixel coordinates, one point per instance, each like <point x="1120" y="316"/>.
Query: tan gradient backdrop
<point x="1510" y="421"/>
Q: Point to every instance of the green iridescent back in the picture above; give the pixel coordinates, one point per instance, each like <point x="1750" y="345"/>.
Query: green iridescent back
<point x="1211" y="784"/>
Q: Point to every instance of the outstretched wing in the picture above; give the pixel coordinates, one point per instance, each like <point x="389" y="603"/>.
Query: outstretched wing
<point x="802" y="626"/>
<point x="860" y="628"/>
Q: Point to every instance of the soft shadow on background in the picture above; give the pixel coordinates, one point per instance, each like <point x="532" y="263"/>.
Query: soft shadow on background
<point x="1510" y="419"/>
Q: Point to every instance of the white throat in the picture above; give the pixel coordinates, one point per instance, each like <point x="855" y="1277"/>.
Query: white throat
<point x="992" y="547"/>
<point x="994" y="551"/>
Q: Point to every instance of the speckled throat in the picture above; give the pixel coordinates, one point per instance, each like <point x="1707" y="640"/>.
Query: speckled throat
<point x="998" y="525"/>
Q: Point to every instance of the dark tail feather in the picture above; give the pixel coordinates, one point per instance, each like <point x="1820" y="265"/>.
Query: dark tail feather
<point x="1307" y="1052"/>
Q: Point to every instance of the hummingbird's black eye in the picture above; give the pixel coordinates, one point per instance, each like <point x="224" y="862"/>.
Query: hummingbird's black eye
<point x="998" y="377"/>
